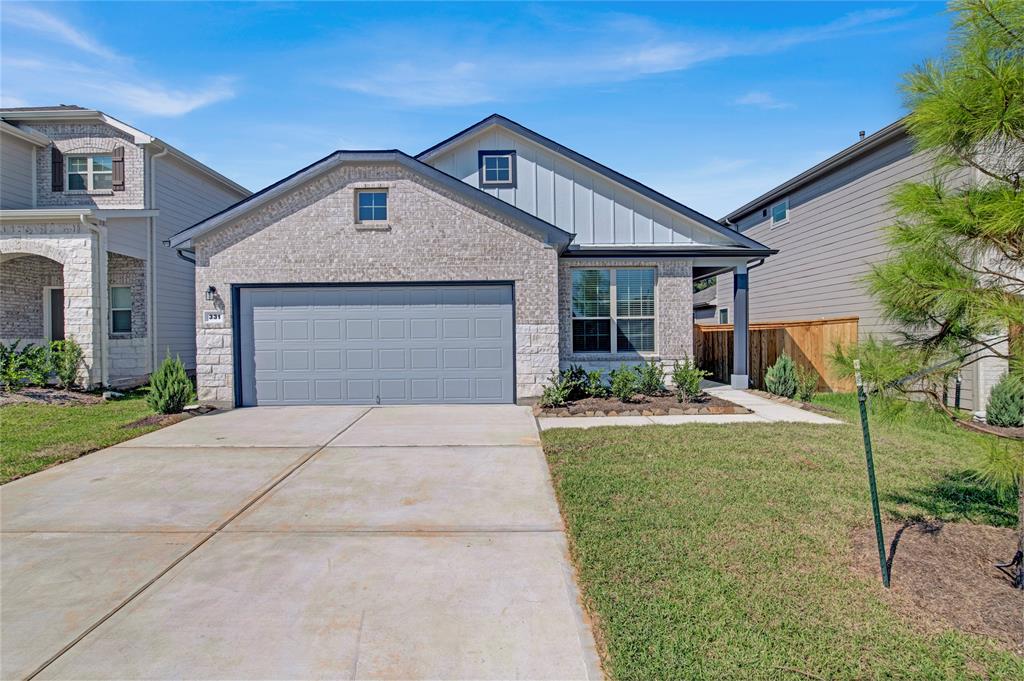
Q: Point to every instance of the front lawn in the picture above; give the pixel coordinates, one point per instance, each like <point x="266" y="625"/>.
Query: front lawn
<point x="724" y="551"/>
<point x="37" y="436"/>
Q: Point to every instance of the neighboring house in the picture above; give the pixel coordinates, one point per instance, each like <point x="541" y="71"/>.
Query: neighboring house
<point x="85" y="204"/>
<point x="705" y="307"/>
<point x="828" y="225"/>
<point x="469" y="272"/>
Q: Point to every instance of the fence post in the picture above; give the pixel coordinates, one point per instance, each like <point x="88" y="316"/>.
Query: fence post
<point x="862" y="400"/>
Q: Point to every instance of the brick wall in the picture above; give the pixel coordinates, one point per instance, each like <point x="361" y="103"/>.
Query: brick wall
<point x="310" y="235"/>
<point x="128" y="352"/>
<point x="22" y="280"/>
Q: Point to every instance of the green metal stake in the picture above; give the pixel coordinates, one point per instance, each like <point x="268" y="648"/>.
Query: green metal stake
<point x="862" y="398"/>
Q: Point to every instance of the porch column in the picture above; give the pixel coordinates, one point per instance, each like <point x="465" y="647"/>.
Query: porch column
<point x="741" y="329"/>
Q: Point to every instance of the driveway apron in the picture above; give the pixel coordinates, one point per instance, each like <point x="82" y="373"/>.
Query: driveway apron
<point x="296" y="542"/>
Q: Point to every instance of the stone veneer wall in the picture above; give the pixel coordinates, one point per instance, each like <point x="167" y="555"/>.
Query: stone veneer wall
<point x="129" y="351"/>
<point x="89" y="138"/>
<point x="673" y="324"/>
<point x="311" y="236"/>
<point x="22" y="299"/>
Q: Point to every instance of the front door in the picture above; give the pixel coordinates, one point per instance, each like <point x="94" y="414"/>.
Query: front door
<point x="55" y="303"/>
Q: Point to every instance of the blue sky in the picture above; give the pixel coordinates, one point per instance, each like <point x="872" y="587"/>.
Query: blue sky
<point x="711" y="103"/>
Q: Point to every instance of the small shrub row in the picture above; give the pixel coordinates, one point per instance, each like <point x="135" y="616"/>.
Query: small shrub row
<point x="786" y="379"/>
<point x="35" y="365"/>
<point x="624" y="383"/>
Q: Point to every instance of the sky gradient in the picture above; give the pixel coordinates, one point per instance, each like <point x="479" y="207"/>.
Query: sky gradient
<point x="710" y="103"/>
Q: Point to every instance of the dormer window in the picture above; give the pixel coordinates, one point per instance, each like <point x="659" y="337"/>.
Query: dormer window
<point x="89" y="173"/>
<point x="497" y="168"/>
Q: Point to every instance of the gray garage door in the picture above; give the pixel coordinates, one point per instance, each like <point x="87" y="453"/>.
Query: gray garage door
<point x="377" y="345"/>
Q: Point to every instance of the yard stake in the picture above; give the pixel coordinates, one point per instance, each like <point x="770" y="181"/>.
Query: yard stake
<point x="862" y="399"/>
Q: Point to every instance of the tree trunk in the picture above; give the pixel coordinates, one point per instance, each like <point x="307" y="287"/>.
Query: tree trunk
<point x="1019" y="582"/>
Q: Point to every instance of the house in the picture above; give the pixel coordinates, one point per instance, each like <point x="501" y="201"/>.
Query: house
<point x="467" y="273"/>
<point x="828" y="225"/>
<point x="85" y="204"/>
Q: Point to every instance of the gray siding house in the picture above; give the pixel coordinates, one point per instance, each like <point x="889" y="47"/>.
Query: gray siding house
<point x="468" y="272"/>
<point x="828" y="225"/>
<point x="86" y="203"/>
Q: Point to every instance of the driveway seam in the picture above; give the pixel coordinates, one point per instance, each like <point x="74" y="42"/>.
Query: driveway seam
<point x="138" y="592"/>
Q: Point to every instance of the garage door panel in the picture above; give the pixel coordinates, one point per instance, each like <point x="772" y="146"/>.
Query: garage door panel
<point x="337" y="345"/>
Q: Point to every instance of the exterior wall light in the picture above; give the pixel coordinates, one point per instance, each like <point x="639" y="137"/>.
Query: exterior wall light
<point x="211" y="293"/>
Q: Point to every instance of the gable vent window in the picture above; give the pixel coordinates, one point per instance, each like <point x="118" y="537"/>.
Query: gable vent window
<point x="497" y="168"/>
<point x="780" y="213"/>
<point x="372" y="205"/>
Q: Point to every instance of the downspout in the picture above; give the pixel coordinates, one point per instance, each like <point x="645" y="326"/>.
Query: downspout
<point x="151" y="288"/>
<point x="101" y="338"/>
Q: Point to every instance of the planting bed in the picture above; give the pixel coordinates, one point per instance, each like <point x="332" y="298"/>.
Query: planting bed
<point x="643" y="405"/>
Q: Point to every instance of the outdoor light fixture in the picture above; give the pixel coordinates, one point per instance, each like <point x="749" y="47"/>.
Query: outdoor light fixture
<point x="211" y="292"/>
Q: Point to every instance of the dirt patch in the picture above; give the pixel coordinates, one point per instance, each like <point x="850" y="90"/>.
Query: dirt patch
<point x="48" y="396"/>
<point x="942" y="577"/>
<point x="156" y="420"/>
<point x="645" y="405"/>
<point x="806" y="406"/>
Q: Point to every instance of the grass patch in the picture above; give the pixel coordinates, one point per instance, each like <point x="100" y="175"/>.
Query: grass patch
<point x="37" y="436"/>
<point x="722" y="551"/>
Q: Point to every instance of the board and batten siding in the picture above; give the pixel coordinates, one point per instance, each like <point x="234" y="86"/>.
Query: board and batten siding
<point x="17" y="159"/>
<point x="573" y="197"/>
<point x="834" y="235"/>
<point x="184" y="196"/>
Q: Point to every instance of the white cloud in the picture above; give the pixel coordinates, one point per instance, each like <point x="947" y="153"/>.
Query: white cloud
<point x="111" y="79"/>
<point x="762" y="100"/>
<point x="449" y="69"/>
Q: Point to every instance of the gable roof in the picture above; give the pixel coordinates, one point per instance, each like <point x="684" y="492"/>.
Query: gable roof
<point x="551" y="234"/>
<point x="847" y="155"/>
<point x="613" y="175"/>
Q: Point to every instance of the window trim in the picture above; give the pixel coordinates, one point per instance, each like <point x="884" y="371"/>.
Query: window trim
<point x="482" y="154"/>
<point x="89" y="173"/>
<point x="614" y="317"/>
<point x="723" y="312"/>
<point x="113" y="309"/>
<point x="387" y="205"/>
<point x="771" y="212"/>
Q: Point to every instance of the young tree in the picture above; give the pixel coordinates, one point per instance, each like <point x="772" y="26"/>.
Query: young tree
<point x="956" y="277"/>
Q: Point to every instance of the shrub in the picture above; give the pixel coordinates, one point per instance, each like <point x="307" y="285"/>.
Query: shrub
<point x="38" y="364"/>
<point x="687" y="377"/>
<point x="806" y="384"/>
<point x="170" y="388"/>
<point x="595" y="386"/>
<point x="66" y="356"/>
<point x="1006" y="403"/>
<point x="650" y="378"/>
<point x="576" y="378"/>
<point x="624" y="383"/>
<point x="12" y="366"/>
<point x="780" y="379"/>
<point x="556" y="393"/>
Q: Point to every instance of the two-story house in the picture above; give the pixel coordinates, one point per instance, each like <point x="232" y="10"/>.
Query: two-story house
<point x="466" y="273"/>
<point x="828" y="224"/>
<point x="86" y="203"/>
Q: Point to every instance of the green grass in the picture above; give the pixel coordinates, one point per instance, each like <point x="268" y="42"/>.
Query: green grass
<point x="37" y="436"/>
<point x="722" y="552"/>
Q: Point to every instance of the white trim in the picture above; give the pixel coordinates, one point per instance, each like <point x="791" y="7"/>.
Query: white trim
<point x="27" y="134"/>
<point x="483" y="169"/>
<point x="108" y="213"/>
<point x="771" y="212"/>
<point x="50" y="215"/>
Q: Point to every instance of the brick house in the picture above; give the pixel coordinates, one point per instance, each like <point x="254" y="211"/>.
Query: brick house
<point x="85" y="204"/>
<point x="466" y="273"/>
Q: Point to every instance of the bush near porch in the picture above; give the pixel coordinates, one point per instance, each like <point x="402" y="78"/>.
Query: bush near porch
<point x="726" y="551"/>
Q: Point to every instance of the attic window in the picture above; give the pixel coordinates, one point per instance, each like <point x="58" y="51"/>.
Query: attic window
<point x="780" y="212"/>
<point x="372" y="205"/>
<point x="497" y="168"/>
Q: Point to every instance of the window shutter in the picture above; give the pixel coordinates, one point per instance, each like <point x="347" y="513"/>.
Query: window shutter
<point x="56" y="169"/>
<point x="118" y="163"/>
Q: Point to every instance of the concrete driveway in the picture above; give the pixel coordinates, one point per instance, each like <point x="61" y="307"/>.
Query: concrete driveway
<point x="296" y="543"/>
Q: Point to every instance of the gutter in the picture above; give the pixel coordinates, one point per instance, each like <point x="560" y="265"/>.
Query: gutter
<point x="151" y="318"/>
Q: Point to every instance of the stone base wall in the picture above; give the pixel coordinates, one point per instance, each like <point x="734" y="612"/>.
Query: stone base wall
<point x="536" y="357"/>
<point x="129" y="365"/>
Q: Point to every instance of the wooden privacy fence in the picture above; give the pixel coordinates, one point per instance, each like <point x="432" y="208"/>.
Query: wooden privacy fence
<point x="808" y="342"/>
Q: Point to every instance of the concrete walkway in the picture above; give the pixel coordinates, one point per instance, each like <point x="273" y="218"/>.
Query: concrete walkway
<point x="296" y="543"/>
<point x="764" y="411"/>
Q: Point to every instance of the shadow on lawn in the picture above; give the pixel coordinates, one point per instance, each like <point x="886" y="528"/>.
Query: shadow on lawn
<point x="954" y="497"/>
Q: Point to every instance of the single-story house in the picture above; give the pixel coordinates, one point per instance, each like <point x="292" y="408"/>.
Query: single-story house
<point x="466" y="273"/>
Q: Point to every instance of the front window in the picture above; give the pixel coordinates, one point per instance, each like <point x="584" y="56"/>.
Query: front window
<point x="594" y="316"/>
<point x="780" y="212"/>
<point x="373" y="206"/>
<point x="87" y="173"/>
<point x="497" y="168"/>
<point x="120" y="309"/>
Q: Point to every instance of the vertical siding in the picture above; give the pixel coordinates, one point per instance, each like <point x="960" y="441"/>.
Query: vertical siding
<point x="16" y="161"/>
<point x="573" y="197"/>
<point x="834" y="235"/>
<point x="183" y="197"/>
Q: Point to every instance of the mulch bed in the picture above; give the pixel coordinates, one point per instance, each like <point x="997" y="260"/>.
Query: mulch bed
<point x="157" y="420"/>
<point x="942" y="577"/>
<point x="645" y="405"/>
<point x="806" y="406"/>
<point x="48" y="396"/>
<point x="1014" y="433"/>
